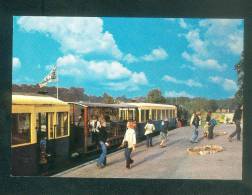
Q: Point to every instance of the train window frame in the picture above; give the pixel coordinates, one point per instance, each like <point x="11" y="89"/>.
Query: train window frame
<point x="58" y="127"/>
<point x="157" y="8"/>
<point x="29" y="134"/>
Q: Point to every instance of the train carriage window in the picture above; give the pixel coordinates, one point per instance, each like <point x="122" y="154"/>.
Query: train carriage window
<point x="134" y="114"/>
<point x="167" y="113"/>
<point x="154" y="114"/>
<point x="158" y="114"/>
<point x="121" y="114"/>
<point x="44" y="123"/>
<point x="170" y="113"/>
<point x="130" y="115"/>
<point x="142" y="115"/>
<point x="163" y="115"/>
<point x="50" y="124"/>
<point x="21" y="128"/>
<point x="147" y="115"/>
<point x="62" y="122"/>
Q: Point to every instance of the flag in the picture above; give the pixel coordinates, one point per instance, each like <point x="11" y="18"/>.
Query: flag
<point x="51" y="77"/>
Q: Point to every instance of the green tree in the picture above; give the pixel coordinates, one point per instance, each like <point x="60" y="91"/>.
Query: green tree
<point x="107" y="99"/>
<point x="155" y="96"/>
<point x="211" y="105"/>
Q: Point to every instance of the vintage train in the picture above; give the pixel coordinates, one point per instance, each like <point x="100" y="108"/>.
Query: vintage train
<point x="66" y="127"/>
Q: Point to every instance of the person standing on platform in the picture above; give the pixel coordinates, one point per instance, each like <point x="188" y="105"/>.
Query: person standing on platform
<point x="237" y="120"/>
<point x="209" y="125"/>
<point x="195" y="122"/>
<point x="43" y="161"/>
<point x="129" y="143"/>
<point x="163" y="133"/>
<point x="102" y="138"/>
<point x="149" y="128"/>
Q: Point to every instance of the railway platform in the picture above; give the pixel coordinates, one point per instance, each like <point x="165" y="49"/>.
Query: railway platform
<point x="172" y="161"/>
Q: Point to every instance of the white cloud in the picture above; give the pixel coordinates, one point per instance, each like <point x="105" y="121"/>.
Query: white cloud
<point x="192" y="83"/>
<point x="229" y="85"/>
<point x="130" y="58"/>
<point x="182" y="23"/>
<point x="215" y="79"/>
<point x="184" y="66"/>
<point x="178" y="94"/>
<point x="196" y="43"/>
<point x="189" y="82"/>
<point x="136" y="80"/>
<point x="106" y="73"/>
<point x="156" y="54"/>
<point x="16" y="63"/>
<point x="81" y="35"/>
<point x="211" y="40"/>
<point x="224" y="33"/>
<point x="170" y="19"/>
<point x="204" y="63"/>
<point x="110" y="70"/>
<point x="226" y="84"/>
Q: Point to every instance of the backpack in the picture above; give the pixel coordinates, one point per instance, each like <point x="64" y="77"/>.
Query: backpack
<point x="213" y="122"/>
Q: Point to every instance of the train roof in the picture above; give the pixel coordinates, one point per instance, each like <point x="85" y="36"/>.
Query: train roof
<point x="151" y="105"/>
<point x="36" y="99"/>
<point x="103" y="105"/>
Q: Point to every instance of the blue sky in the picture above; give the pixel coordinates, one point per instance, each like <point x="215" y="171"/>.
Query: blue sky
<point x="130" y="56"/>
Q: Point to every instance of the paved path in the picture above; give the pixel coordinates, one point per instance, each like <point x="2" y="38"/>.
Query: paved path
<point x="171" y="162"/>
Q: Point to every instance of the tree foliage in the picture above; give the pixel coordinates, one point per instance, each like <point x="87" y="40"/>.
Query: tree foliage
<point x="155" y="96"/>
<point x="107" y="99"/>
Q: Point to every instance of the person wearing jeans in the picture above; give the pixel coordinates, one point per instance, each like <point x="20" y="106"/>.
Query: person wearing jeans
<point x="149" y="128"/>
<point x="195" y="122"/>
<point x="129" y="143"/>
<point x="102" y="136"/>
<point x="101" y="159"/>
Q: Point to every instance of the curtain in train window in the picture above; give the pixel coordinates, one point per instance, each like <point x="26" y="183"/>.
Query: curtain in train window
<point x="163" y="115"/>
<point x="62" y="124"/>
<point x="167" y="114"/>
<point x="123" y="115"/>
<point x="44" y="124"/>
<point x="50" y="124"/>
<point x="142" y="115"/>
<point x="21" y="128"/>
<point x="130" y="115"/>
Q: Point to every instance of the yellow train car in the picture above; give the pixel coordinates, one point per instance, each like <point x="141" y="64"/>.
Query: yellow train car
<point x="155" y="112"/>
<point x="34" y="117"/>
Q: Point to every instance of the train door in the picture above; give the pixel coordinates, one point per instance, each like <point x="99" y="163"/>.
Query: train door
<point x="77" y="123"/>
<point x="45" y="129"/>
